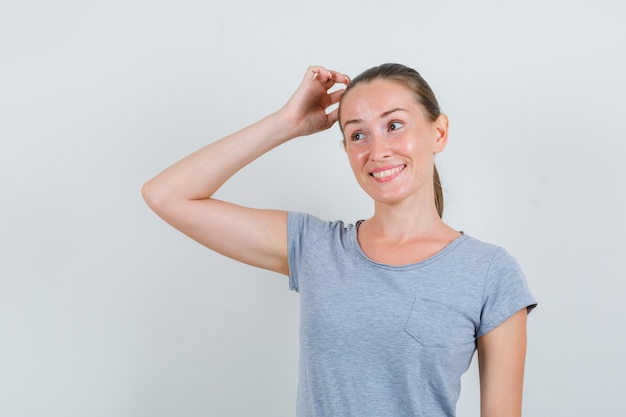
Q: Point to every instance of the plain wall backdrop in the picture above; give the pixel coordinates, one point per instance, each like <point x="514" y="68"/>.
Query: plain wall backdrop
<point x="107" y="311"/>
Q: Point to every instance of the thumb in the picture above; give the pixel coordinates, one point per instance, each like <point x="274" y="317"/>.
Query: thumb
<point x="332" y="117"/>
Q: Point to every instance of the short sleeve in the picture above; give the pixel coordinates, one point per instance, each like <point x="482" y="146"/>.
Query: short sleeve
<point x="506" y="291"/>
<point x="302" y="230"/>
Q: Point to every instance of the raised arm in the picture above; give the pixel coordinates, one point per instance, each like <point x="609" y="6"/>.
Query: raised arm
<point x="501" y="358"/>
<point x="182" y="194"/>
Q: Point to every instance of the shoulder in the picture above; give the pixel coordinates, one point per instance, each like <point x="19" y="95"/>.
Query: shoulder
<point x="505" y="288"/>
<point x="476" y="256"/>
<point x="472" y="244"/>
<point x="489" y="263"/>
<point x="313" y="242"/>
<point x="299" y="223"/>
<point x="499" y="259"/>
<point x="489" y="253"/>
<point x="306" y="232"/>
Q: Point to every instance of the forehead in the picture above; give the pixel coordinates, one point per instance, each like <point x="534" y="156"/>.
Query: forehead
<point x="375" y="97"/>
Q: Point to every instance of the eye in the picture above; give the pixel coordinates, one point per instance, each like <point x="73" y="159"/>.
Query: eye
<point x="395" y="126"/>
<point x="357" y="136"/>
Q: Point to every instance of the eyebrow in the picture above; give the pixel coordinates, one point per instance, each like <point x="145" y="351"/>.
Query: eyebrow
<point x="382" y="116"/>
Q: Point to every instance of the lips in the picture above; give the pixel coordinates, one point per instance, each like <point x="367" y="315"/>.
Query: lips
<point x="385" y="174"/>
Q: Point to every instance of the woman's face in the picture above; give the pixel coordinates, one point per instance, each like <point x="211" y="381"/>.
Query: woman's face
<point x="391" y="144"/>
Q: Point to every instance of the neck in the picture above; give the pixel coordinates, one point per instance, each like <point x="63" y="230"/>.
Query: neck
<point x="408" y="220"/>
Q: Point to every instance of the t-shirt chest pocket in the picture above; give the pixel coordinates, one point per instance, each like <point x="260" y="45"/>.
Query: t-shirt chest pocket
<point x="435" y="324"/>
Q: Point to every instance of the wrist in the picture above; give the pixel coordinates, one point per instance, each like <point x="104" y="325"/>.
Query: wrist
<point x="283" y="126"/>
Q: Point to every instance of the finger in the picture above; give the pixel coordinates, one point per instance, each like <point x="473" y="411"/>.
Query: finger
<point x="325" y="75"/>
<point x="338" y="78"/>
<point x="316" y="71"/>
<point x="322" y="74"/>
<point x="335" y="96"/>
<point x="332" y="117"/>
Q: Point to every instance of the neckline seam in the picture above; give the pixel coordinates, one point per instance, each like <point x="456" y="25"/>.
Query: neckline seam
<point x="433" y="258"/>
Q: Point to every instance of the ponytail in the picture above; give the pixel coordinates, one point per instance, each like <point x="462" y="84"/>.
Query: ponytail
<point x="438" y="192"/>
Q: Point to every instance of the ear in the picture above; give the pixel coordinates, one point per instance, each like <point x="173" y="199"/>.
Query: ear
<point x="441" y="130"/>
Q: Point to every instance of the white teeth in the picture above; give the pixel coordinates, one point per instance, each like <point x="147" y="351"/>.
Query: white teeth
<point x="387" y="172"/>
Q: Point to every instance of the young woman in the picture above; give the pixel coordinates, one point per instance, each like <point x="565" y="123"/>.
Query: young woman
<point x="392" y="307"/>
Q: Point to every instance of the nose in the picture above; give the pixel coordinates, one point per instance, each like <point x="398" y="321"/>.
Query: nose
<point x="379" y="148"/>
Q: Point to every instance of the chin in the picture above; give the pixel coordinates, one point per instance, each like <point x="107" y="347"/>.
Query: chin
<point x="386" y="198"/>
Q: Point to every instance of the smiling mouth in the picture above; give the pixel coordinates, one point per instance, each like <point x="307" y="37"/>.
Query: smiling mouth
<point x="387" y="172"/>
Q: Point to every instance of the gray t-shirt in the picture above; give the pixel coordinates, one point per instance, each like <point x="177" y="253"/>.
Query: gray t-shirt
<point x="380" y="340"/>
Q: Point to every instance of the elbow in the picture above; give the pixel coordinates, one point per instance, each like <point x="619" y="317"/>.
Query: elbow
<point x="163" y="200"/>
<point x="154" y="196"/>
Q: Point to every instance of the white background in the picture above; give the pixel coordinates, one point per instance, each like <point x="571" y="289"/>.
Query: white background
<point x="107" y="311"/>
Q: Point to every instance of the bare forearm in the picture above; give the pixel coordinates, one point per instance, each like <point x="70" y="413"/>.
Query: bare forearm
<point x="181" y="194"/>
<point x="199" y="175"/>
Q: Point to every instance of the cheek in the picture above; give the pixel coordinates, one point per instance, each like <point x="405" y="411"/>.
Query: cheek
<point x="421" y="147"/>
<point x="356" y="155"/>
<point x="354" y="163"/>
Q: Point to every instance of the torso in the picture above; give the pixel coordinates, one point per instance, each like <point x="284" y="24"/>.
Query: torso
<point x="382" y="340"/>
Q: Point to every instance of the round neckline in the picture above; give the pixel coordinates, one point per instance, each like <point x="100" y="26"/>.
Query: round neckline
<point x="445" y="250"/>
